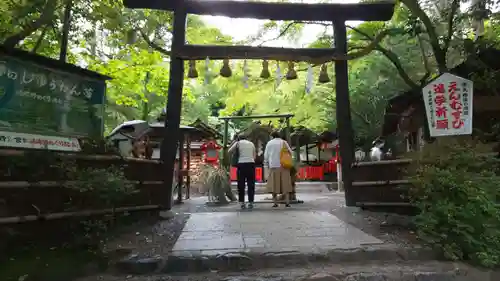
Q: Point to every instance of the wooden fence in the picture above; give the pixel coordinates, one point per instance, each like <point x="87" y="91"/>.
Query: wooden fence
<point x="382" y="184"/>
<point x="39" y="192"/>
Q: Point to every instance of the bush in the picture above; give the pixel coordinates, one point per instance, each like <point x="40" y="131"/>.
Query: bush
<point x="456" y="190"/>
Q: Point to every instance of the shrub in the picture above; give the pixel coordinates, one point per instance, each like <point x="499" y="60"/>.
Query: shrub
<point x="456" y="190"/>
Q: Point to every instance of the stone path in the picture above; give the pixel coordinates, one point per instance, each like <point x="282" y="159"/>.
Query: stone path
<point x="278" y="230"/>
<point x="320" y="240"/>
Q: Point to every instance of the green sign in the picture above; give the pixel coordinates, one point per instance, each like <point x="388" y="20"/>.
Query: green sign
<point x="40" y="100"/>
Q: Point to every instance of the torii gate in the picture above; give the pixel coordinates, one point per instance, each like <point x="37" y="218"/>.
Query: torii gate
<point x="336" y="13"/>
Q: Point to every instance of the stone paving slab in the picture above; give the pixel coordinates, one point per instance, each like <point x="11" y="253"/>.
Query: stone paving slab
<point x="228" y="232"/>
<point x="256" y="239"/>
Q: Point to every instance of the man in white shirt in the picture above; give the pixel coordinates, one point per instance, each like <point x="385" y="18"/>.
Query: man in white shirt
<point x="279" y="180"/>
<point x="246" y="169"/>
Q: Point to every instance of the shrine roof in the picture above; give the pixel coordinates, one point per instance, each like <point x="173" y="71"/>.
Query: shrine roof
<point x="363" y="11"/>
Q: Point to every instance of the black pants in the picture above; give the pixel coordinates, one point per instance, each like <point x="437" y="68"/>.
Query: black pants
<point x="246" y="173"/>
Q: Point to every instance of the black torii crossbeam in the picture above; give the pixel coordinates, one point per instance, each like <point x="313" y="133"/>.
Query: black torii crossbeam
<point x="180" y="51"/>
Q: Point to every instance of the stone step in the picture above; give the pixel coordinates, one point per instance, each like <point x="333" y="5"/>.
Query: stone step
<point x="207" y="261"/>
<point x="367" y="271"/>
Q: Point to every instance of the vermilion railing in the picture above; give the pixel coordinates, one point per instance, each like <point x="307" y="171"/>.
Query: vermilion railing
<point x="304" y="173"/>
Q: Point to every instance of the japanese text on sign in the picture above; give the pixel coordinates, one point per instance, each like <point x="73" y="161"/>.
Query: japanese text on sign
<point x="448" y="105"/>
<point x="49" y="101"/>
<point x="20" y="140"/>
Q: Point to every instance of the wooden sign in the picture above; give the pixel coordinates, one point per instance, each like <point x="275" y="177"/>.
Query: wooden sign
<point x="448" y="105"/>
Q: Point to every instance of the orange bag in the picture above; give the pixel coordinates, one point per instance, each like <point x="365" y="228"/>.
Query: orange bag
<point x="286" y="160"/>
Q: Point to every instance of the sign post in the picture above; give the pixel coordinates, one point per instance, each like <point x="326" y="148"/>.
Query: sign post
<point x="448" y="105"/>
<point x="47" y="106"/>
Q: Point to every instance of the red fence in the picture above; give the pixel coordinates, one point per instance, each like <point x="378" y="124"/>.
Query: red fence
<point x="304" y="173"/>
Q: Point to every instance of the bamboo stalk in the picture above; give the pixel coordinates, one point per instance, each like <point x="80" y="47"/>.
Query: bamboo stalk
<point x="86" y="213"/>
<point x="25" y="184"/>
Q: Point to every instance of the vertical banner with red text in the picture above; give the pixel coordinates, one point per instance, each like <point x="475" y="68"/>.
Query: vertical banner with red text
<point x="448" y="105"/>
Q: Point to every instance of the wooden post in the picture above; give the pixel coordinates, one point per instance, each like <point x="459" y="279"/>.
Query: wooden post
<point x="225" y="162"/>
<point x="287" y="132"/>
<point x="180" y="175"/>
<point x="188" y="166"/>
<point x="307" y="154"/>
<point x="173" y="110"/>
<point x="344" y="112"/>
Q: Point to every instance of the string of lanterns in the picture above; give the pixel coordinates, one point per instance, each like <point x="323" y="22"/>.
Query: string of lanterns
<point x="291" y="74"/>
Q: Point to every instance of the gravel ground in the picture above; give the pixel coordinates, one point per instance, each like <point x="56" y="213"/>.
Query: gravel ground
<point x="422" y="271"/>
<point x="150" y="238"/>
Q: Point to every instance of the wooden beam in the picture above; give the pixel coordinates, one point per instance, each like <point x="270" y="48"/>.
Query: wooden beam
<point x="201" y="52"/>
<point x="371" y="11"/>
<point x="288" y="115"/>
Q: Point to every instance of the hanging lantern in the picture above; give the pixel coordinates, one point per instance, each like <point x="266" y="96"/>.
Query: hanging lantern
<point x="131" y="36"/>
<point x="192" y="72"/>
<point x="323" y="74"/>
<point x="291" y="74"/>
<point x="225" y="71"/>
<point x="265" y="70"/>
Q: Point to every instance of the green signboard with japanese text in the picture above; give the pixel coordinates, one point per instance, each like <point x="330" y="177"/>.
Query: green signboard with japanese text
<point x="36" y="99"/>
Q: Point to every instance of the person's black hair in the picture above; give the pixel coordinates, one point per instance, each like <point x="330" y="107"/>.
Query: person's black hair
<point x="242" y="137"/>
<point x="275" y="134"/>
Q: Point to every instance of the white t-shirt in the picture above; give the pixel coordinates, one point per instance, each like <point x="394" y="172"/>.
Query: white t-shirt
<point x="273" y="152"/>
<point x="246" y="149"/>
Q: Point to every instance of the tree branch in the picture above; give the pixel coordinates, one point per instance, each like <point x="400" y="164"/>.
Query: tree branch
<point x="439" y="54"/>
<point x="455" y="5"/>
<point x="391" y="56"/>
<point x="428" y="71"/>
<point x="153" y="44"/>
<point x="40" y="39"/>
<point x="359" y="115"/>
<point x="282" y="33"/>
<point x="45" y="18"/>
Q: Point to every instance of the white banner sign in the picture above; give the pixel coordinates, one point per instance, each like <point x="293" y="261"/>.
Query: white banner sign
<point x="20" y="140"/>
<point x="448" y="105"/>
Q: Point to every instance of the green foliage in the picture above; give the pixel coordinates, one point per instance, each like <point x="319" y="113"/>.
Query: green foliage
<point x="456" y="190"/>
<point x="108" y="185"/>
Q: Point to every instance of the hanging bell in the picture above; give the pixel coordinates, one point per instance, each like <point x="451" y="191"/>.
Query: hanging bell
<point x="225" y="71"/>
<point x="323" y="75"/>
<point x="131" y="36"/>
<point x="265" y="74"/>
<point x="291" y="74"/>
<point x="192" y="72"/>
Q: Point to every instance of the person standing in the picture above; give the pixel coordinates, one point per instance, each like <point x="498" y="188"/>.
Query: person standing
<point x="246" y="154"/>
<point x="279" y="180"/>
